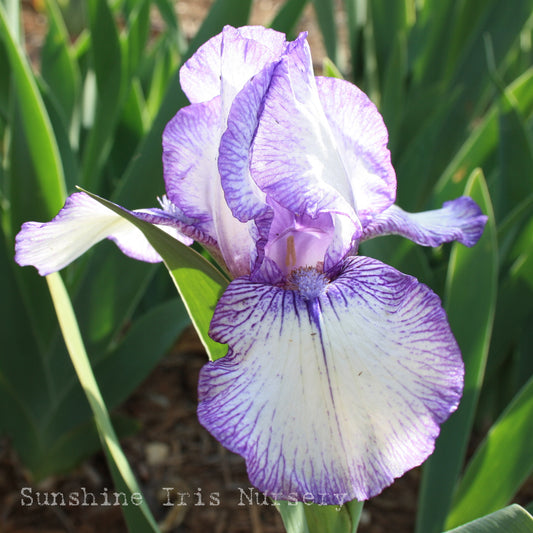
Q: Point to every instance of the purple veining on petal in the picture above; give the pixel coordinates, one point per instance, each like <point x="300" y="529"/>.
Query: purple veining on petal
<point x="244" y="197"/>
<point x="458" y="220"/>
<point x="293" y="159"/>
<point x="361" y="138"/>
<point x="190" y="144"/>
<point x="200" y="76"/>
<point x="332" y="395"/>
<point x="244" y="57"/>
<point x="171" y="216"/>
<point x="80" y="224"/>
<point x="190" y="151"/>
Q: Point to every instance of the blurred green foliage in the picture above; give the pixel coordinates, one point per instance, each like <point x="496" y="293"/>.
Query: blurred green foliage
<point x="454" y="82"/>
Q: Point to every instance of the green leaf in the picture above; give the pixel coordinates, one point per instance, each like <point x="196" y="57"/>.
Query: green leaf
<point x="355" y="21"/>
<point x="391" y="22"/>
<point x="199" y="283"/>
<point x="512" y="224"/>
<point x="393" y="87"/>
<point x="512" y="519"/>
<point x="287" y="17"/>
<point x="108" y="70"/>
<point x="138" y="517"/>
<point x="330" y="70"/>
<point x="58" y="67"/>
<point x="168" y="13"/>
<point x="23" y="394"/>
<point x="301" y="517"/>
<point x="431" y="40"/>
<point x="120" y="370"/>
<point x="50" y="183"/>
<point x="501" y="464"/>
<point x="515" y="180"/>
<point x="472" y="281"/>
<point x="148" y="340"/>
<point x="325" y="14"/>
<point x="511" y="323"/>
<point x="496" y="24"/>
<point x="481" y="145"/>
<point x="135" y="40"/>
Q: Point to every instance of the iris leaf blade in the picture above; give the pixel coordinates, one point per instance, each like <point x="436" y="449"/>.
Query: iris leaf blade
<point x="513" y="518"/>
<point x="108" y="70"/>
<point x="502" y="462"/>
<point x="199" y="284"/>
<point x="473" y="333"/>
<point x="58" y="67"/>
<point x="287" y="17"/>
<point x="515" y="179"/>
<point x="325" y="14"/>
<point x="50" y="182"/>
<point x="138" y="517"/>
<point x="482" y="143"/>
<point x="300" y="517"/>
<point x="498" y="29"/>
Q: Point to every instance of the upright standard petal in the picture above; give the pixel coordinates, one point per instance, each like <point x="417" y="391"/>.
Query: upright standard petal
<point x="361" y="138"/>
<point x="244" y="51"/>
<point x="331" y="389"/>
<point x="458" y="220"/>
<point x="190" y="144"/>
<point x="190" y="151"/>
<point x="82" y="223"/>
<point x="295" y="160"/>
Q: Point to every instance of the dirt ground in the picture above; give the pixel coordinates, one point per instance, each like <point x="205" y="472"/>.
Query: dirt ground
<point x="176" y="461"/>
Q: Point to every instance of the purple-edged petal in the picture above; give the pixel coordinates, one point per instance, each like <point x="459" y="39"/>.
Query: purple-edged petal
<point x="190" y="149"/>
<point x="243" y="196"/>
<point x="458" y="220"/>
<point x="80" y="224"/>
<point x="233" y="56"/>
<point x="331" y="389"/>
<point x="322" y="139"/>
<point x="361" y="138"/>
<point x="295" y="160"/>
<point x="190" y="145"/>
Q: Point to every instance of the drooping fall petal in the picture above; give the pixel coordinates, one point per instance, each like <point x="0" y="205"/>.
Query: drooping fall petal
<point x="331" y="388"/>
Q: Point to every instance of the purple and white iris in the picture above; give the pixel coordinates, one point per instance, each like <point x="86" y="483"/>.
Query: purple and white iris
<point x="340" y="369"/>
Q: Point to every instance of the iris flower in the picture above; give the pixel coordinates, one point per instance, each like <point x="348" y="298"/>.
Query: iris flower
<point x="340" y="369"/>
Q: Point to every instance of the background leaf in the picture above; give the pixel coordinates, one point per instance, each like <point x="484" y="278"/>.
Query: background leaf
<point x="472" y="281"/>
<point x="501" y="464"/>
<point x="513" y="519"/>
<point x="138" y="517"/>
<point x="299" y="517"/>
<point x="199" y="283"/>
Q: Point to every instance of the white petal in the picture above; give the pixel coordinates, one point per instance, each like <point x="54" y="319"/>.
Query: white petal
<point x="361" y="138"/>
<point x="333" y="390"/>
<point x="190" y="149"/>
<point x="82" y="222"/>
<point x="235" y="54"/>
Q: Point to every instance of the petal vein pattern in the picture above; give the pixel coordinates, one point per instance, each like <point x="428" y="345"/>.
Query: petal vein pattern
<point x="82" y="223"/>
<point x="457" y="220"/>
<point x="334" y="396"/>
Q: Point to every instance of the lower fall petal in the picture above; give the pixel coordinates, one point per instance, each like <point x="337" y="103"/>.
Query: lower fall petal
<point x="81" y="223"/>
<point x="335" y="388"/>
<point x="458" y="220"/>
